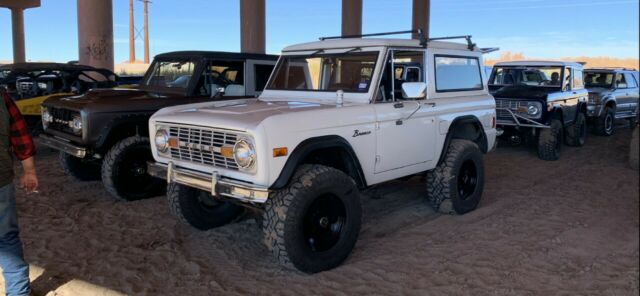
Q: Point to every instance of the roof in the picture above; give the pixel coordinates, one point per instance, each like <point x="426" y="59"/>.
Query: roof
<point x="30" y="67"/>
<point x="609" y="69"/>
<point x="215" y="55"/>
<point x="372" y="42"/>
<point x="539" y="63"/>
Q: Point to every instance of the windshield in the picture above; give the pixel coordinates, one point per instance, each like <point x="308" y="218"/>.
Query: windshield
<point x="349" y="72"/>
<point x="594" y="79"/>
<point x="532" y="76"/>
<point x="170" y="74"/>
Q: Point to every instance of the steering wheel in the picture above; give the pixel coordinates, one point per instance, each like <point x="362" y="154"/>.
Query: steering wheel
<point x="219" y="79"/>
<point x="544" y="81"/>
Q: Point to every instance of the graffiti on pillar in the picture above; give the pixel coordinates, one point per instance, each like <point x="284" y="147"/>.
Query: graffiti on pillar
<point x="98" y="49"/>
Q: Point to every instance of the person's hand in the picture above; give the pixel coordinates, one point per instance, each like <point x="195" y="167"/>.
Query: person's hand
<point x="29" y="182"/>
<point x="29" y="179"/>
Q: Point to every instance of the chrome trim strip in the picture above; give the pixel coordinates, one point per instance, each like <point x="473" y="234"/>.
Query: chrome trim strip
<point x="66" y="147"/>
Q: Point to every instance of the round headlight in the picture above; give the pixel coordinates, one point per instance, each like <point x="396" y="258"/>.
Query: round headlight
<point x="46" y="118"/>
<point x="533" y="110"/>
<point x="244" y="154"/>
<point x="76" y="125"/>
<point x="162" y="140"/>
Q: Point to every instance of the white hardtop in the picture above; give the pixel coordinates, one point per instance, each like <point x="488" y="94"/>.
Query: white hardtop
<point x="372" y="42"/>
<point x="539" y="64"/>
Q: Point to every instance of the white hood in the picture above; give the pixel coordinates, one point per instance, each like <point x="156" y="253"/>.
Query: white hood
<point x="236" y="115"/>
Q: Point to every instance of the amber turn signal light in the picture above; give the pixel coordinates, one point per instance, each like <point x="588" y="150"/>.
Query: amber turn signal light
<point x="226" y="152"/>
<point x="173" y="142"/>
<point x="281" y="151"/>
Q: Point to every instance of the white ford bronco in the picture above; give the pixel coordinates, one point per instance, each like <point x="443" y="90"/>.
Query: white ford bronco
<point x="336" y="116"/>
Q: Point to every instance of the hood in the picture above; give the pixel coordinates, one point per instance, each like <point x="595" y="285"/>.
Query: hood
<point x="238" y="114"/>
<point x="112" y="100"/>
<point x="524" y="92"/>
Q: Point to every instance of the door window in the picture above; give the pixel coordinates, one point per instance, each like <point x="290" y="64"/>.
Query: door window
<point x="401" y="66"/>
<point x="631" y="82"/>
<point x="577" y="79"/>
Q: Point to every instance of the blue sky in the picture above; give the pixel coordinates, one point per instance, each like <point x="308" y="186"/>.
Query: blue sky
<point x="537" y="28"/>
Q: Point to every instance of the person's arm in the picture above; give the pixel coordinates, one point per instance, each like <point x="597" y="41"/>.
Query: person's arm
<point x="22" y="145"/>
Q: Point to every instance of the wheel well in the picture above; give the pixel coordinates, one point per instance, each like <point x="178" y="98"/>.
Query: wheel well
<point x="122" y="131"/>
<point x="331" y="151"/>
<point x="467" y="128"/>
<point x="611" y="104"/>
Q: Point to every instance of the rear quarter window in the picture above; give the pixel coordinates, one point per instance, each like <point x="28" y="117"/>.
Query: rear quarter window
<point x="457" y="73"/>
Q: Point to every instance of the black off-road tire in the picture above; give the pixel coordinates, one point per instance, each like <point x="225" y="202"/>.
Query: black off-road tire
<point x="78" y="168"/>
<point x="550" y="141"/>
<point x="577" y="133"/>
<point x="605" y="125"/>
<point x="290" y="216"/>
<point x="124" y="170"/>
<point x="199" y="209"/>
<point x="446" y="190"/>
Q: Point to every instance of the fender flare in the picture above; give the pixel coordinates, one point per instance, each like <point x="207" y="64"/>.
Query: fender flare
<point x="464" y="119"/>
<point x="306" y="147"/>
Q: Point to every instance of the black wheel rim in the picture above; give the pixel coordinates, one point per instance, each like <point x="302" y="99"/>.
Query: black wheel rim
<point x="608" y="124"/>
<point x="467" y="179"/>
<point x="324" y="222"/>
<point x="133" y="179"/>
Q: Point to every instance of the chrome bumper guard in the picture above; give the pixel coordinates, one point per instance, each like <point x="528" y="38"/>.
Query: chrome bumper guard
<point x="517" y="120"/>
<point x="212" y="183"/>
<point x="64" y="146"/>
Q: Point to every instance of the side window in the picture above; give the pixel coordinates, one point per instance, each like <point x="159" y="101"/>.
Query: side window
<point x="222" y="78"/>
<point x="577" y="79"/>
<point x="566" y="84"/>
<point x="262" y="73"/>
<point x="455" y="73"/>
<point x="620" y="81"/>
<point x="631" y="82"/>
<point x="401" y="66"/>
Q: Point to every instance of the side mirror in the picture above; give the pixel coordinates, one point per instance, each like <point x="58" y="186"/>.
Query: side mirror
<point x="414" y="90"/>
<point x="621" y="85"/>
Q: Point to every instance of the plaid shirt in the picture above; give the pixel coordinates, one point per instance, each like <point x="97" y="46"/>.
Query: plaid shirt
<point x="19" y="138"/>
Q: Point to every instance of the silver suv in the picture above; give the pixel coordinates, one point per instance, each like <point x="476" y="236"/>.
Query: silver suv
<point x="613" y="94"/>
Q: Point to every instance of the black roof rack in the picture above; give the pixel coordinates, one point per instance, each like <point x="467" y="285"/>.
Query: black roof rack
<point x="421" y="37"/>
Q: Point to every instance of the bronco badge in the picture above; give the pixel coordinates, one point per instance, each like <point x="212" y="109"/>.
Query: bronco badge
<point x="359" y="133"/>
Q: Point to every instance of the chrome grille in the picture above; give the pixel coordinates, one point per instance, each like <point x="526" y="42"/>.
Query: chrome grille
<point x="202" y="145"/>
<point x="507" y="104"/>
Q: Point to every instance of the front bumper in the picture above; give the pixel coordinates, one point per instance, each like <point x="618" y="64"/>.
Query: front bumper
<point x="518" y="120"/>
<point x="213" y="183"/>
<point x="62" y="145"/>
<point x="594" y="110"/>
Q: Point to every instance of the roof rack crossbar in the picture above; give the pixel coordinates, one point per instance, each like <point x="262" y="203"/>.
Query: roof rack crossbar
<point x="421" y="37"/>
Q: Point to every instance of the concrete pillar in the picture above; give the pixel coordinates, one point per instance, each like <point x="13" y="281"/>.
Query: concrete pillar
<point x="132" y="41"/>
<point x="351" y="17"/>
<point x="95" y="33"/>
<point x="17" y="23"/>
<point x="146" y="31"/>
<point x="420" y="17"/>
<point x="252" y="26"/>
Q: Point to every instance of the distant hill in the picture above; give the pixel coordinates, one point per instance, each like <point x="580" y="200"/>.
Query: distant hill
<point x="591" y="61"/>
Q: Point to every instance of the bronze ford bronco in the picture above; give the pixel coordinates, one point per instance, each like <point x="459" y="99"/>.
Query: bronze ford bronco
<point x="104" y="133"/>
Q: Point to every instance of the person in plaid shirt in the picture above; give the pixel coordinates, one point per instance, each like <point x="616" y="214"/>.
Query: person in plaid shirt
<point x="15" y="141"/>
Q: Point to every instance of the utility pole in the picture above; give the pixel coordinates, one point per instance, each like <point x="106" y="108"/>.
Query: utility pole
<point x="146" y="31"/>
<point x="132" y="42"/>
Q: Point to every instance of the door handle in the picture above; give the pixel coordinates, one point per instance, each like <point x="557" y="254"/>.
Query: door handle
<point x="398" y="105"/>
<point x="432" y="104"/>
<point x="575" y="93"/>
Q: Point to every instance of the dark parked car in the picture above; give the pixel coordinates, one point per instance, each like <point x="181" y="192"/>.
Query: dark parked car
<point x="104" y="133"/>
<point x="613" y="94"/>
<point x="541" y="102"/>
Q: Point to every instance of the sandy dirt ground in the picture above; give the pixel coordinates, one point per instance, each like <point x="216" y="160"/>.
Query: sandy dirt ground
<point x="543" y="228"/>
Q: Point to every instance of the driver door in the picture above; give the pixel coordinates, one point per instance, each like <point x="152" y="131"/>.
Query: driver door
<point x="405" y="128"/>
